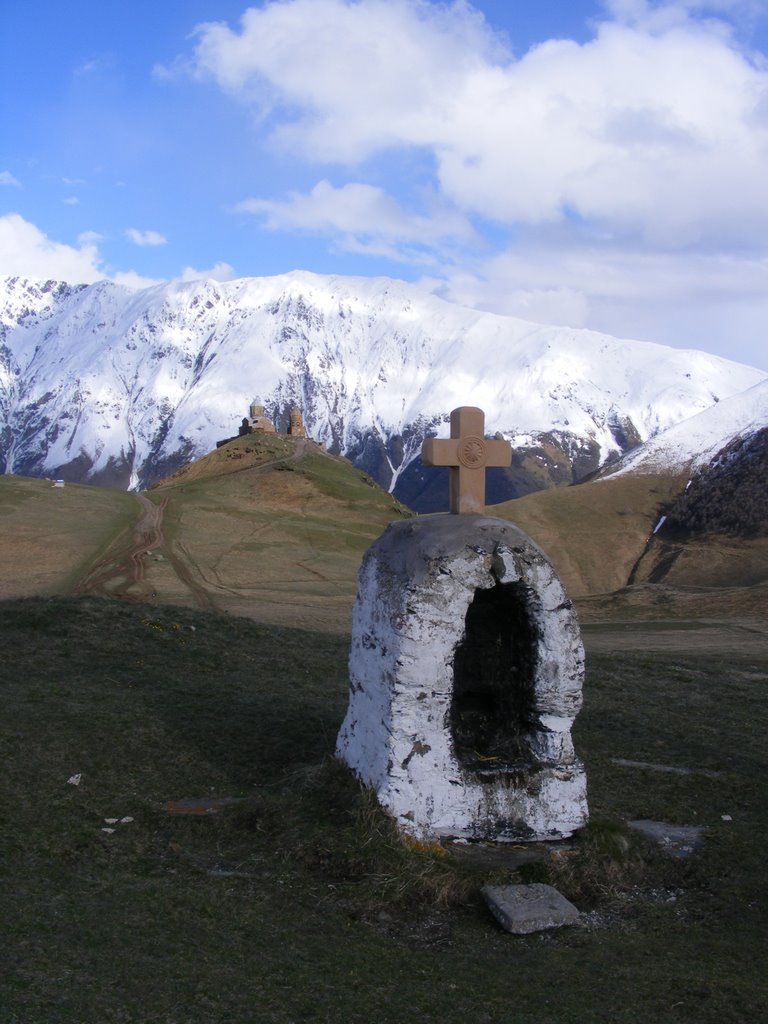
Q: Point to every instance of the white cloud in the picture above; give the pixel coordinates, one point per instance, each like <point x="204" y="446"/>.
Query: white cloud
<point x="364" y="218"/>
<point x="6" y="178"/>
<point x="650" y="135"/>
<point x="661" y="15"/>
<point x="145" y="237"/>
<point x="96" y="65"/>
<point x="130" y="279"/>
<point x="366" y="75"/>
<point x="656" y="127"/>
<point x="708" y="300"/>
<point x="26" y="252"/>
<point x="623" y="178"/>
<point x="72" y="201"/>
<point x="218" y="272"/>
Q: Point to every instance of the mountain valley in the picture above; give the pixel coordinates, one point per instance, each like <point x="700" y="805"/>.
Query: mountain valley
<point x="274" y="529"/>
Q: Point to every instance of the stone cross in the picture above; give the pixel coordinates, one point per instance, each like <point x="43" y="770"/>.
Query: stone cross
<point x="467" y="454"/>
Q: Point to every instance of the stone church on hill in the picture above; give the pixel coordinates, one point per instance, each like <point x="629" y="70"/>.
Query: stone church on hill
<point x="259" y="423"/>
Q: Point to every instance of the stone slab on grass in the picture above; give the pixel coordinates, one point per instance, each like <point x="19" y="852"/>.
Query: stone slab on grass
<point x="677" y="841"/>
<point x="522" y="909"/>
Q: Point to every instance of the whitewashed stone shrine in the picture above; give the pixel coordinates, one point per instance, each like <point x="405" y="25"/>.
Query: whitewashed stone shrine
<point x="466" y="670"/>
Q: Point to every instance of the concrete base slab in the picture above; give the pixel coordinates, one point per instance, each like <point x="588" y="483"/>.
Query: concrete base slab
<point x="506" y="855"/>
<point x="522" y="909"/>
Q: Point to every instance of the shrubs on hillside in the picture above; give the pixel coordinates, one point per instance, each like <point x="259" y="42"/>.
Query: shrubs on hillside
<point x="730" y="496"/>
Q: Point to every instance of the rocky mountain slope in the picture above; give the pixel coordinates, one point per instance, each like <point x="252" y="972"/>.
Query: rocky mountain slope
<point x="728" y="497"/>
<point x="119" y="386"/>
<point x="695" y="442"/>
<point x="713" y="531"/>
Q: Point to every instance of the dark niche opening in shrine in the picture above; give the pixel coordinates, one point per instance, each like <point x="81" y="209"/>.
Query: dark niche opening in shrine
<point x="492" y="708"/>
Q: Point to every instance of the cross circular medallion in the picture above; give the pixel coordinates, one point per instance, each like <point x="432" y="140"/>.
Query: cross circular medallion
<point x="472" y="452"/>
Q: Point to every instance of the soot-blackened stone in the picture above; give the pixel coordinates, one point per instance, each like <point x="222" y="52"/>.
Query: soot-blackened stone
<point x="492" y="709"/>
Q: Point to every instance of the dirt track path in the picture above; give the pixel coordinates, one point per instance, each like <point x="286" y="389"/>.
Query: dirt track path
<point x="123" y="568"/>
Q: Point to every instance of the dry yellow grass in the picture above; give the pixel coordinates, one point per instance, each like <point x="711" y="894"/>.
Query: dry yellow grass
<point x="275" y="529"/>
<point x="50" y="534"/>
<point x="593" y="533"/>
<point x="266" y="528"/>
<point x="597" y="536"/>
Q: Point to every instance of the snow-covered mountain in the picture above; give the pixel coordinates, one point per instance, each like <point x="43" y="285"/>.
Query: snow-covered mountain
<point x="694" y="443"/>
<point x="122" y="386"/>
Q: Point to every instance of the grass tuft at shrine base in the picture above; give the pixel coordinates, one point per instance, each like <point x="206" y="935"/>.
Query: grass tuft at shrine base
<point x="284" y="894"/>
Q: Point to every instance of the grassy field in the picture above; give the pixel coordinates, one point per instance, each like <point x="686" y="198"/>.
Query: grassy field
<point x="51" y="535"/>
<point x="274" y="530"/>
<point x="264" y="527"/>
<point x="278" y="536"/>
<point x="296" y="902"/>
<point x="577" y="526"/>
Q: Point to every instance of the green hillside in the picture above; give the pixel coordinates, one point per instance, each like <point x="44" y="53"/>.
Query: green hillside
<point x="51" y="535"/>
<point x="599" y="536"/>
<point x="266" y="527"/>
<point x="274" y="529"/>
<point x="593" y="532"/>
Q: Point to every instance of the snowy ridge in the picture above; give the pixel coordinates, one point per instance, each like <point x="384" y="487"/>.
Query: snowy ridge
<point x="695" y="442"/>
<point x="107" y="383"/>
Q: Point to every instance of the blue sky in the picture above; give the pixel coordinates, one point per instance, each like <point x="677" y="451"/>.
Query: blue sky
<point x="597" y="164"/>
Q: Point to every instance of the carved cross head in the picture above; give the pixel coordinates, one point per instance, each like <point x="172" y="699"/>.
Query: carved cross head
<point x="467" y="454"/>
